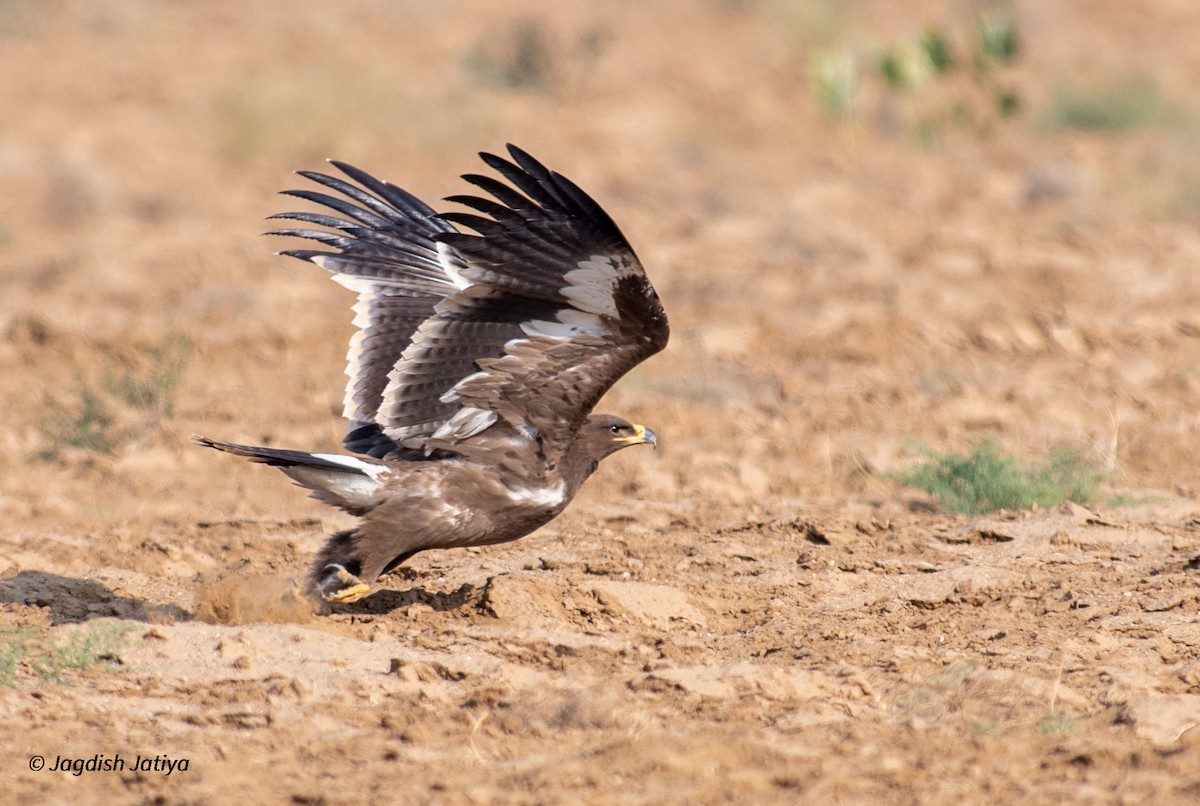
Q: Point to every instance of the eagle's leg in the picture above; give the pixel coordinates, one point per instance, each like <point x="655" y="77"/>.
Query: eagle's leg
<point x="347" y="564"/>
<point x="333" y="576"/>
<point x="335" y="584"/>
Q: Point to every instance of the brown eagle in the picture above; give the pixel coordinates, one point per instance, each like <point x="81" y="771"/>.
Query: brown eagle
<point x="476" y="363"/>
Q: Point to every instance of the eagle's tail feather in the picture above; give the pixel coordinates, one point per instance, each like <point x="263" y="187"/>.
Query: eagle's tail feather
<point x="341" y="481"/>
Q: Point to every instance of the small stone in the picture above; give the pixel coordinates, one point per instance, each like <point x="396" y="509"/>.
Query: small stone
<point x="1159" y="604"/>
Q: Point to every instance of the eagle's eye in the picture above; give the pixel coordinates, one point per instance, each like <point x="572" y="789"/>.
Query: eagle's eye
<point x="616" y="429"/>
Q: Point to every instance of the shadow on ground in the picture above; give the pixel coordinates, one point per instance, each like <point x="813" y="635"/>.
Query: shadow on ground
<point x="71" y="600"/>
<point x="386" y="601"/>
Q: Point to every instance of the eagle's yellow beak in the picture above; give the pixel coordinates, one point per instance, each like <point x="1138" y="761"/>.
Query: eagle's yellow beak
<point x="641" y="436"/>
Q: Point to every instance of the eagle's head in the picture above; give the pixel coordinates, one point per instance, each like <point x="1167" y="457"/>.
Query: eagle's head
<point x="605" y="434"/>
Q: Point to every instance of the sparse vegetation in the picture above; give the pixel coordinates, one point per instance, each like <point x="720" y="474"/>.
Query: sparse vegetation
<point x="527" y="58"/>
<point x="906" y="66"/>
<point x="1056" y="723"/>
<point x="97" y="645"/>
<point x="985" y="480"/>
<point x="1131" y="500"/>
<point x="1120" y="108"/>
<point x="134" y="398"/>
<point x="521" y="62"/>
<point x="152" y="389"/>
<point x="14" y="645"/>
<point x="997" y="41"/>
<point x="932" y="696"/>
<point x="24" y="653"/>
<point x="920" y="76"/>
<point x="982" y="700"/>
<point x="87" y="426"/>
<point x="836" y="82"/>
<point x="937" y="49"/>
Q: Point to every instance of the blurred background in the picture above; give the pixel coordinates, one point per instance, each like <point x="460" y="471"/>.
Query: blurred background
<point x="879" y="228"/>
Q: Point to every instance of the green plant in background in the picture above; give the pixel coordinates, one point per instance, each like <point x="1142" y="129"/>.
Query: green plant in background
<point x="1057" y="723"/>
<point x="527" y="57"/>
<point x="14" y="645"/>
<point x="520" y="61"/>
<point x="836" y="83"/>
<point x="936" y="47"/>
<point x="914" y="63"/>
<point x="985" y="480"/>
<point x="905" y="66"/>
<point x="980" y="700"/>
<point x="153" y="388"/>
<point x="996" y="40"/>
<point x="24" y="652"/>
<point x="96" y="646"/>
<point x="920" y="73"/>
<point x="127" y="401"/>
<point x="1008" y="102"/>
<point x="1116" y="109"/>
<point x="87" y="426"/>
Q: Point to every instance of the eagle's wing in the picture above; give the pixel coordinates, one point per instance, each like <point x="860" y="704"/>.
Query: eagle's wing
<point x="565" y="300"/>
<point x="531" y="320"/>
<point x="385" y="251"/>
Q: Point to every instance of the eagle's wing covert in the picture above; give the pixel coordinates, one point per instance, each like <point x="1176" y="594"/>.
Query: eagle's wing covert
<point x="557" y="309"/>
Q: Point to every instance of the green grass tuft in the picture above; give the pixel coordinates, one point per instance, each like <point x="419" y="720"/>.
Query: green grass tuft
<point x="153" y="388"/>
<point x="126" y="401"/>
<point x="24" y="653"/>
<point x="835" y="76"/>
<point x="986" y="480"/>
<point x="88" y="427"/>
<point x="1120" y="108"/>
<point x="916" y="74"/>
<point x="905" y="67"/>
<point x="936" y="45"/>
<point x="1008" y="102"/>
<point x="14" y="645"/>
<point x="518" y="60"/>
<point x="1057" y="723"/>
<point x="96" y="646"/>
<point x="997" y="40"/>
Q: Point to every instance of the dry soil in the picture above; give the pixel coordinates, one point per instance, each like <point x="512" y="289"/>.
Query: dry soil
<point x="755" y="612"/>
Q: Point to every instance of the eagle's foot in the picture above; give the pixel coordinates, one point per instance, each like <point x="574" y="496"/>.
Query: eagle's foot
<point x="339" y="586"/>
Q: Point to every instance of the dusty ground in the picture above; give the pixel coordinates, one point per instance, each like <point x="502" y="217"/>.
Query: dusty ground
<point x="751" y="614"/>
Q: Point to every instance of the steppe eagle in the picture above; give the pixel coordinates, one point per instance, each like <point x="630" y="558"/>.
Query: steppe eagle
<point x="477" y="360"/>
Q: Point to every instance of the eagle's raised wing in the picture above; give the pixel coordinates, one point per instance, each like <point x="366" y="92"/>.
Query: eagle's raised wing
<point x="530" y="320"/>
<point x="597" y="314"/>
<point x="386" y="252"/>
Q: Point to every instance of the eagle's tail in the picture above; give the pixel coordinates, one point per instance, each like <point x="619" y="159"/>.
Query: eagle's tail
<point x="347" y="482"/>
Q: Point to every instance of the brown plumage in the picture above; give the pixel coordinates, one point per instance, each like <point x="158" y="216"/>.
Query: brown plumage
<point x="476" y="364"/>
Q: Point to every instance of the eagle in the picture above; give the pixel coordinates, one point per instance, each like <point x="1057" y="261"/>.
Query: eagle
<point x="478" y="356"/>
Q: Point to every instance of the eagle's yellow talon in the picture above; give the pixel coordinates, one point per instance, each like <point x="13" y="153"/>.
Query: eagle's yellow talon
<point x="339" y="586"/>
